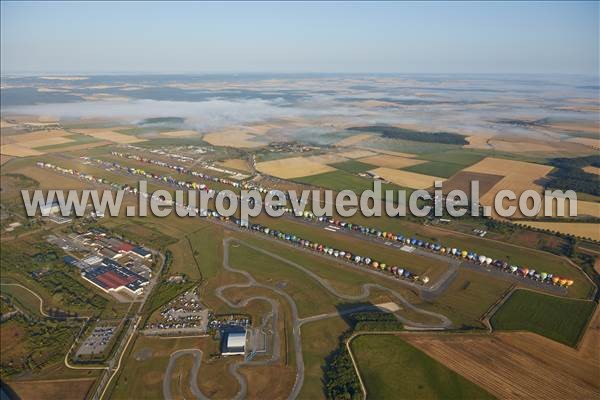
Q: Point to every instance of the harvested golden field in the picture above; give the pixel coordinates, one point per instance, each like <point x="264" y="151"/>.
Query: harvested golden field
<point x="51" y="141"/>
<point x="386" y="160"/>
<point x="478" y="142"/>
<point x="178" y="134"/>
<point x="357" y="154"/>
<point x="521" y="146"/>
<point x="109" y="134"/>
<point x="518" y="176"/>
<point x="236" y="163"/>
<point x="236" y="137"/>
<point x="587" y="230"/>
<point x="68" y="389"/>
<point x="592" y="170"/>
<point x="512" y="144"/>
<point x="25" y="144"/>
<point x="584" y="208"/>
<point x="25" y="138"/>
<point x="407" y="179"/>
<point x="327" y="158"/>
<point x="352" y="140"/>
<point x="515" y="365"/>
<point x="294" y="167"/>
<point x="588" y="347"/>
<point x="18" y="151"/>
<point x="593" y="143"/>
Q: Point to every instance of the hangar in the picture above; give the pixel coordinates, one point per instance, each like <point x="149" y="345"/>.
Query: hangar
<point x="233" y="343"/>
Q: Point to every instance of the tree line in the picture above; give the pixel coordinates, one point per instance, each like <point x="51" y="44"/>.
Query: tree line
<point x="393" y="132"/>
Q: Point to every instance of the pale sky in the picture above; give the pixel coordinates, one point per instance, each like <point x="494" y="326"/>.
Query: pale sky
<point x="186" y="37"/>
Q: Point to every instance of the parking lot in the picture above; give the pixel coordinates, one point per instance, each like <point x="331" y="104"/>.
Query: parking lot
<point x="97" y="341"/>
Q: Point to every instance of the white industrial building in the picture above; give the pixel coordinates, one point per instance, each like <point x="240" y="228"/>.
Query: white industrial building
<point x="234" y="343"/>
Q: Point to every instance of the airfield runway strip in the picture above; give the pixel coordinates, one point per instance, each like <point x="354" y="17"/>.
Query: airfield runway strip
<point x="424" y="292"/>
<point x="297" y="322"/>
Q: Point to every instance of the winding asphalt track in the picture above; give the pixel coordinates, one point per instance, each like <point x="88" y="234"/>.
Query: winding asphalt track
<point x="197" y="354"/>
<point x="297" y="322"/>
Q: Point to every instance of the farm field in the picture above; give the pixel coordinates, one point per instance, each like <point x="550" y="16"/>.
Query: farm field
<point x="319" y="340"/>
<point x="468" y="297"/>
<point x="240" y="137"/>
<point x="354" y="140"/>
<point x="555" y="318"/>
<point x="109" y="134"/>
<point x="405" y="178"/>
<point x="389" y="161"/>
<point x="462" y="181"/>
<point x="68" y="389"/>
<point x="518" y="176"/>
<point x="380" y="359"/>
<point x="435" y="168"/>
<point x="514" y="365"/>
<point x="294" y="167"/>
<point x="342" y="180"/>
<point x="236" y="163"/>
<point x="538" y="347"/>
<point x="592" y="170"/>
<point x="179" y="134"/>
<point x="579" y="229"/>
<point x="352" y="166"/>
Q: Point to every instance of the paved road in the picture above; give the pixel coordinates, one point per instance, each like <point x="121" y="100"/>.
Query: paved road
<point x="444" y="322"/>
<point x="41" y="306"/>
<point x="197" y="354"/>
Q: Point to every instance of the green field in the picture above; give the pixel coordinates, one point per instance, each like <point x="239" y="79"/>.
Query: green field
<point x="76" y="140"/>
<point x="416" y="263"/>
<point x="468" y="297"/>
<point x="207" y="250"/>
<point x="353" y="166"/>
<point x="436" y="168"/>
<point x="309" y="296"/>
<point x="559" y="319"/>
<point x="393" y="369"/>
<point x="458" y="157"/>
<point x="342" y="180"/>
<point x="319" y="340"/>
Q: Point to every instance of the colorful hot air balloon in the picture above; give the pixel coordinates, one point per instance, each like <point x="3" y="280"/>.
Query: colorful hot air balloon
<point x="555" y="279"/>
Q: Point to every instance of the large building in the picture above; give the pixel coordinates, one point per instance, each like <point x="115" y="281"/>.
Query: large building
<point x="111" y="276"/>
<point x="233" y="344"/>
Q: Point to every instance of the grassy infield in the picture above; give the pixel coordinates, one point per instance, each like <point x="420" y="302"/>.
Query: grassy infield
<point x="559" y="319"/>
<point x="384" y="358"/>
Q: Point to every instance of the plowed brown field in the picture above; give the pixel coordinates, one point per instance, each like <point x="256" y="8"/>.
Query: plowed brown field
<point x="518" y="365"/>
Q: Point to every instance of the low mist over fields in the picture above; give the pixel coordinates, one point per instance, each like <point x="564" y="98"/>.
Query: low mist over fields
<point x="482" y="105"/>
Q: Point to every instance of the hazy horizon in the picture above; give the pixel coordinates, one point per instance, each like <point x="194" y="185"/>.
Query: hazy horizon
<point x="204" y="38"/>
